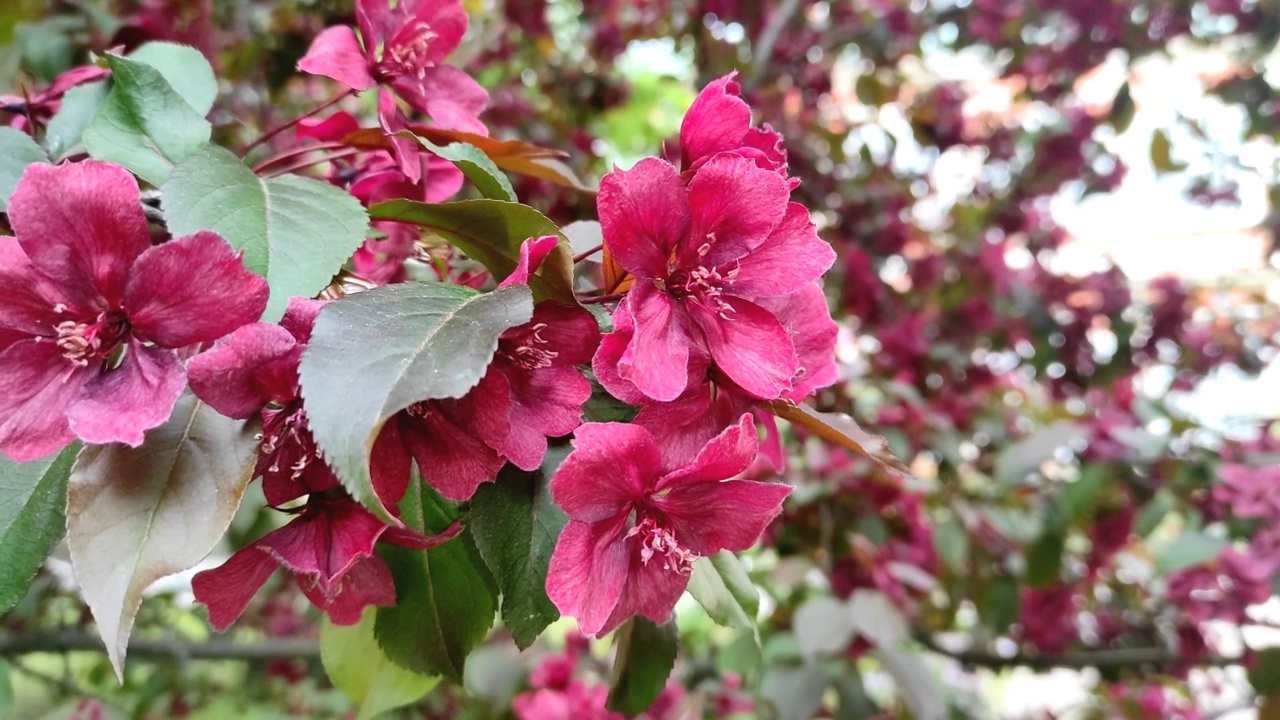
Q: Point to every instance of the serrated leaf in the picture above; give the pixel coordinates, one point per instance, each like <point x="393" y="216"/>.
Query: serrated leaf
<point x="135" y="515"/>
<point x="1189" y="549"/>
<point x="360" y="669"/>
<point x="720" y="584"/>
<point x="144" y="124"/>
<point x="491" y="232"/>
<point x="447" y="599"/>
<point x="375" y="353"/>
<point x="185" y="69"/>
<point x="17" y="151"/>
<point x="296" y="232"/>
<point x="515" y="525"/>
<point x="479" y="169"/>
<point x="79" y="106"/>
<point x="646" y="654"/>
<point x="32" y="500"/>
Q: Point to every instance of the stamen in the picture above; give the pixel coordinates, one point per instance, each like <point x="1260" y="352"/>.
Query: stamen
<point x="528" y="355"/>
<point x="657" y="541"/>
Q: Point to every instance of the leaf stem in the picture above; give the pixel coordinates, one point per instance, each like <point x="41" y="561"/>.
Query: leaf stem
<point x="583" y="256"/>
<point x="264" y="137"/>
<point x="313" y="161"/>
<point x="601" y="298"/>
<point x="296" y="152"/>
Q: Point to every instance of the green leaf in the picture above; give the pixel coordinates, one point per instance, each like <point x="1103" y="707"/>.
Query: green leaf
<point x="1264" y="675"/>
<point x="6" y="690"/>
<point x="79" y="106"/>
<point x="1044" y="558"/>
<point x="447" y="597"/>
<point x="491" y="232"/>
<point x="375" y="353"/>
<point x="646" y="654"/>
<point x="185" y="69"/>
<point x="144" y="124"/>
<point x="479" y="169"/>
<point x="135" y="515"/>
<point x="1001" y="604"/>
<point x="359" y="668"/>
<point x="17" y="151"/>
<point x="516" y="525"/>
<point x="32" y="499"/>
<point x="296" y="232"/>
<point x="1161" y="153"/>
<point x="720" y="584"/>
<point x="1189" y="549"/>
<point x="1024" y="457"/>
<point x="1080" y="498"/>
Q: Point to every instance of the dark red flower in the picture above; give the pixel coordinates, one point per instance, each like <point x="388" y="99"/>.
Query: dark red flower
<point x="92" y="313"/>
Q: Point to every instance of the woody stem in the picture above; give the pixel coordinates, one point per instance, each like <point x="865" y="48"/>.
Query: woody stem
<point x="285" y="126"/>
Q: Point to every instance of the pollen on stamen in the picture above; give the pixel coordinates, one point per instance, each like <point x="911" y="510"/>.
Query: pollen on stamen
<point x="657" y="541"/>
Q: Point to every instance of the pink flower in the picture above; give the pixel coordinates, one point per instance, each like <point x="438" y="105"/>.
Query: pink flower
<point x="42" y="106"/>
<point x="1248" y="492"/>
<point x="92" y="313"/>
<point x="531" y="391"/>
<point x="720" y="121"/>
<point x="401" y="49"/>
<point x="328" y="547"/>
<point x="704" y="256"/>
<point x="637" y="524"/>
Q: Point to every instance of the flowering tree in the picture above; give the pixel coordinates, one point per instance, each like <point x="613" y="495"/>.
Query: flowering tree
<point x="334" y="292"/>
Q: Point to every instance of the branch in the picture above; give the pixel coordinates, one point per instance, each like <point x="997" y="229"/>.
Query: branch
<point x="163" y="649"/>
<point x="762" y="49"/>
<point x="1077" y="659"/>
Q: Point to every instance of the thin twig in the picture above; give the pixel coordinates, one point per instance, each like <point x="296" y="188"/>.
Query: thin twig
<point x="285" y="126"/>
<point x="304" y="164"/>
<point x="601" y="299"/>
<point x="762" y="49"/>
<point x="1077" y="659"/>
<point x="583" y="256"/>
<point x="174" y="648"/>
<point x="296" y="152"/>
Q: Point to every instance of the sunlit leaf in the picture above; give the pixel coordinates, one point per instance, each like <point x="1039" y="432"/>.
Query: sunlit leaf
<point x="32" y="502"/>
<point x="358" y="667"/>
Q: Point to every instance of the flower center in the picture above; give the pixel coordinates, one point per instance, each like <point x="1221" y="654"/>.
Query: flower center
<point x="657" y="542"/>
<point x="701" y="282"/>
<point x="527" y="354"/>
<point x="286" y="440"/>
<point x="83" y="343"/>
<point x="409" y="58"/>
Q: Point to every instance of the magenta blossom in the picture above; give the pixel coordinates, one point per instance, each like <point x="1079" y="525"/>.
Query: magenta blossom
<point x="401" y="49"/>
<point x="703" y="257"/>
<point x="328" y="547"/>
<point x="637" y="524"/>
<point x="92" y="313"/>
<point x="720" y="121"/>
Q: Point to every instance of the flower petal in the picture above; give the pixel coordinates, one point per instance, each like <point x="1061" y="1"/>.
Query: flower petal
<point x="806" y="318"/>
<point x="452" y="460"/>
<point x="709" y="517"/>
<point x="336" y="53"/>
<point x="547" y="402"/>
<point x="613" y="347"/>
<point x="82" y="226"/>
<point x="716" y="122"/>
<point x="683" y="426"/>
<point x="367" y="583"/>
<point x="751" y="347"/>
<point x="121" y="404"/>
<point x="588" y="570"/>
<point x="656" y="360"/>
<point x="390" y="465"/>
<point x="650" y="590"/>
<point x="330" y="129"/>
<point x="611" y="466"/>
<point x="734" y="205"/>
<point x="447" y="23"/>
<point x="325" y="541"/>
<point x="256" y="365"/>
<point x="450" y="97"/>
<point x="728" y="454"/>
<point x="27" y="307"/>
<point x="571" y="332"/>
<point x="226" y="590"/>
<point x="532" y="252"/>
<point x="36" y="387"/>
<point x="792" y="257"/>
<point x="644" y="214"/>
<point x="192" y="290"/>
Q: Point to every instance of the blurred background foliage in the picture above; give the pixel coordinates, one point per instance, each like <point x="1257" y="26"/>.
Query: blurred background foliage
<point x="1057" y="289"/>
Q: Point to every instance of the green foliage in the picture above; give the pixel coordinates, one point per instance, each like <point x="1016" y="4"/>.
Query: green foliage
<point x="515" y="525"/>
<point x="32" y="498"/>
<point x="479" y="169"/>
<point x="17" y="151"/>
<point x="358" y="666"/>
<point x="79" y="106"/>
<point x="296" y="232"/>
<point x="645" y="655"/>
<point x="720" y="584"/>
<point x="375" y="353"/>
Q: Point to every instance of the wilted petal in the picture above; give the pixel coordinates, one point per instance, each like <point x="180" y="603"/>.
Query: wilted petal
<point x="36" y="387"/>
<point x="450" y="97"/>
<point x="256" y="365"/>
<point x="226" y="590"/>
<point x="121" y="404"/>
<point x="657" y="358"/>
<point x="716" y="122"/>
<point x="712" y="516"/>
<point x="650" y="590"/>
<point x="644" y="213"/>
<point x="612" y="465"/>
<point x="750" y="346"/>
<point x="792" y="257"/>
<point x="192" y="290"/>
<point x="367" y="582"/>
<point x="588" y="570"/>
<point x="82" y="226"/>
<point x="336" y="53"/>
<point x="734" y="205"/>
<point x="728" y="454"/>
